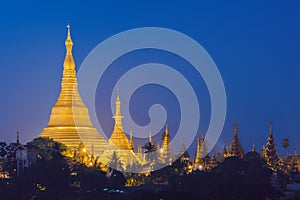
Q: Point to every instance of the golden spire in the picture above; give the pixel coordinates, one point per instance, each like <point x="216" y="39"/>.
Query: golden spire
<point x="167" y="129"/>
<point x="69" y="121"/>
<point x="118" y="117"/>
<point x="167" y="152"/>
<point x="166" y="139"/>
<point x="198" y="156"/>
<point x="150" y="137"/>
<point x="199" y="144"/>
<point x="69" y="63"/>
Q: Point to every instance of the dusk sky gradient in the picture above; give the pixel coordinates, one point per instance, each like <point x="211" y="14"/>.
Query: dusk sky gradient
<point x="255" y="46"/>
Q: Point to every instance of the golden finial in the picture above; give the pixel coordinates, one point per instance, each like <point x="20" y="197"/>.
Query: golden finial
<point x="69" y="63"/>
<point x="69" y="42"/>
<point x="150" y="137"/>
<point x="199" y="141"/>
<point x="167" y="128"/>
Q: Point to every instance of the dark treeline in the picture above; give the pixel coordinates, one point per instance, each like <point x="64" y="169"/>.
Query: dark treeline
<point x="57" y="176"/>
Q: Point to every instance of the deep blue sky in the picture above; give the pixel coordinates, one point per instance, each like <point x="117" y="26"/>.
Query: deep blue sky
<point x="255" y="46"/>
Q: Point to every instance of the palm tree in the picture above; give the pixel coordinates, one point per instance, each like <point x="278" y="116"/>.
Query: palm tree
<point x="151" y="154"/>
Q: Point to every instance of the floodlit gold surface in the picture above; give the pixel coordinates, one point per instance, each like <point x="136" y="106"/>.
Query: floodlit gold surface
<point x="69" y="109"/>
<point x="118" y="141"/>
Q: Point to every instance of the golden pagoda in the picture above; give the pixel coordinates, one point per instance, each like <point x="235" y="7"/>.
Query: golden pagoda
<point x="118" y="137"/>
<point x="235" y="148"/>
<point x="69" y="121"/>
<point x="198" y="163"/>
<point x="119" y="143"/>
<point x="166" y="152"/>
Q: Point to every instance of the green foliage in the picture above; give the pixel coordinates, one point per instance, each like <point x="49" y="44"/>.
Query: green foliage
<point x="90" y="179"/>
<point x="235" y="178"/>
<point x="47" y="148"/>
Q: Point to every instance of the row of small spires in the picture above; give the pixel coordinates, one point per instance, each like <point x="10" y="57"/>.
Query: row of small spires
<point x="234" y="142"/>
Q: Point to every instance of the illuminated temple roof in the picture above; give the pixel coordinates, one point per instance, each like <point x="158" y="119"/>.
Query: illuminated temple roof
<point x="118" y="141"/>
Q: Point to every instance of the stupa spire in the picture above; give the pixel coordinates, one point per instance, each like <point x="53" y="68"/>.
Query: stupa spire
<point x="69" y="121"/>
<point x="235" y="148"/>
<point x="271" y="152"/>
<point x="167" y="152"/>
<point x="150" y="137"/>
<point x="118" y="137"/>
<point x="69" y="63"/>
<point x="167" y="129"/>
<point x="118" y="117"/>
<point x="198" y="152"/>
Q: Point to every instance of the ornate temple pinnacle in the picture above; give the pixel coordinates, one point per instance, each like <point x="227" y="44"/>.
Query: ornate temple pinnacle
<point x="118" y="117"/>
<point x="167" y="129"/>
<point x="150" y="137"/>
<point x="69" y="63"/>
<point x="199" y="144"/>
<point x="69" y="40"/>
<point x="69" y="121"/>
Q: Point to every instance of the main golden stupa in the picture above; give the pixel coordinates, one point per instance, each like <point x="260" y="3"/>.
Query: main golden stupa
<point x="69" y="121"/>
